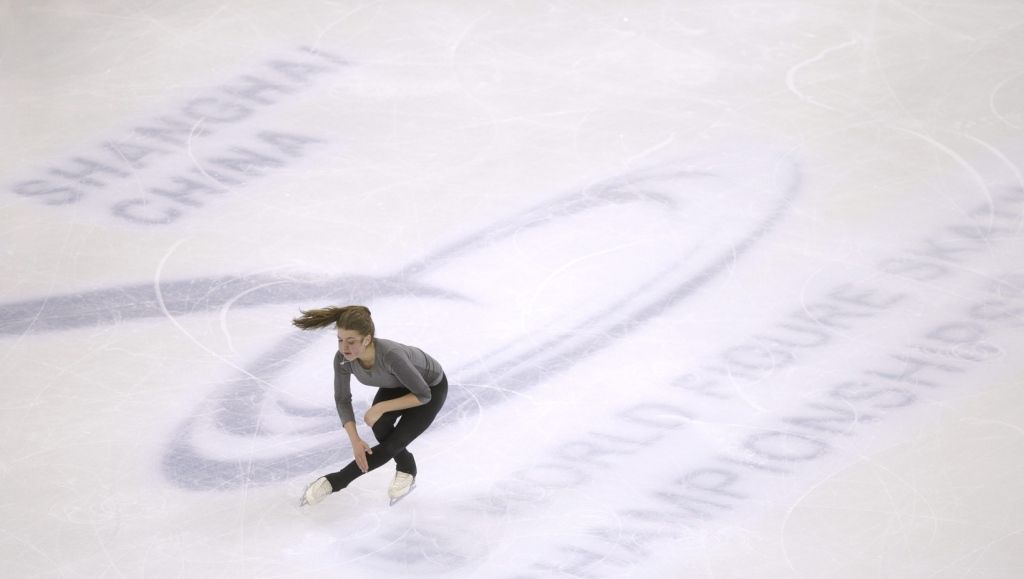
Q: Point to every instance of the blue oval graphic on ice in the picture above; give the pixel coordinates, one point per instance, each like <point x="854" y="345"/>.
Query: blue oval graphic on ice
<point x="503" y="308"/>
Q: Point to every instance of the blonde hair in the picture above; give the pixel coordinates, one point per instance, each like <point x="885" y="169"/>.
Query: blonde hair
<point x="355" y="318"/>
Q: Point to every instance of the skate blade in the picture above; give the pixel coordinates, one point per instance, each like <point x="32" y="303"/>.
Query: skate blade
<point x="393" y="501"/>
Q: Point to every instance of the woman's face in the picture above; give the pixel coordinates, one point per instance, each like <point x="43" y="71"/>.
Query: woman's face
<point x="352" y="344"/>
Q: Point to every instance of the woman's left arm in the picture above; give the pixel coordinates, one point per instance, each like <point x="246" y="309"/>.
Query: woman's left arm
<point x="419" y="390"/>
<point x="401" y="403"/>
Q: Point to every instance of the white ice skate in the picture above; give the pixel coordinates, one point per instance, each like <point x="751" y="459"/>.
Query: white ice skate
<point x="401" y="486"/>
<point x="316" y="491"/>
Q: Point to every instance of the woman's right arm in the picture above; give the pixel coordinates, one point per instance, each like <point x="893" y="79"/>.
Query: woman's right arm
<point x="343" y="402"/>
<point x="359" y="447"/>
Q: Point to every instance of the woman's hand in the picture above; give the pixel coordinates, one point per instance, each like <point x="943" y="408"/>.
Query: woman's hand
<point x="360" y="449"/>
<point x="373" y="415"/>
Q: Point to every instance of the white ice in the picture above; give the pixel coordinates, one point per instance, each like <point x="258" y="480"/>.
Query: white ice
<point x="723" y="289"/>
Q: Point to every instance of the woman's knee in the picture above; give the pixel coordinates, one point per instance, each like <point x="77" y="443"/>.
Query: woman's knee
<point x="391" y="448"/>
<point x="381" y="429"/>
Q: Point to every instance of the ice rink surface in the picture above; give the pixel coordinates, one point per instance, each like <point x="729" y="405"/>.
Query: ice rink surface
<point x="723" y="289"/>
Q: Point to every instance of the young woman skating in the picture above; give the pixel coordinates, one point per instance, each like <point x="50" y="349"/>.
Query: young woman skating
<point x="412" y="389"/>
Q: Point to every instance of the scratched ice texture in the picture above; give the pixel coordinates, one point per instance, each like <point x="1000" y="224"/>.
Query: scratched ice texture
<point x="723" y="289"/>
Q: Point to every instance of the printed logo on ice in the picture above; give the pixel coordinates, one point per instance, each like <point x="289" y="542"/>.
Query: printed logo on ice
<point x="162" y="168"/>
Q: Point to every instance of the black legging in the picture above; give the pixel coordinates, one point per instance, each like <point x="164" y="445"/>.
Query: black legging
<point x="394" y="438"/>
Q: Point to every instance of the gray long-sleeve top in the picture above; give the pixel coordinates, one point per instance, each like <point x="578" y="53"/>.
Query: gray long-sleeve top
<point x="395" y="366"/>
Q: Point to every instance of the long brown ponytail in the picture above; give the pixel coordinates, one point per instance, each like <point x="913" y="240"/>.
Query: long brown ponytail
<point x="356" y="318"/>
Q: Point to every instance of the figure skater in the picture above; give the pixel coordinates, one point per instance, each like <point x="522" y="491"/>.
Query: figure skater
<point x="412" y="389"/>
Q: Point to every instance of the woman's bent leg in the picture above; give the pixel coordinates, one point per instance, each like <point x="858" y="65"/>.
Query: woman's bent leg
<point x="383" y="428"/>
